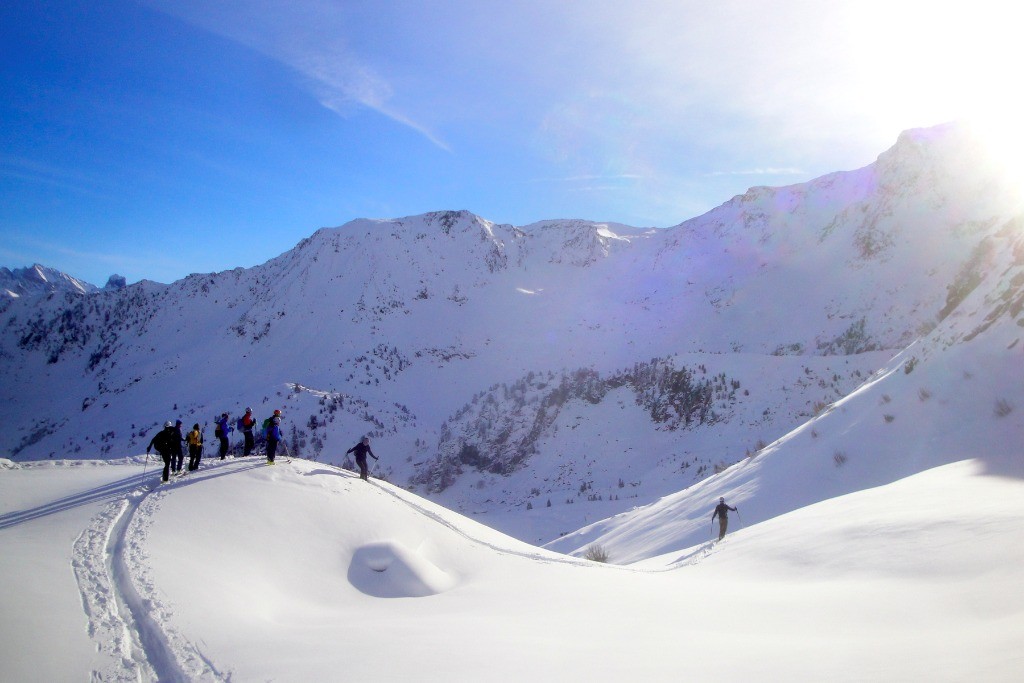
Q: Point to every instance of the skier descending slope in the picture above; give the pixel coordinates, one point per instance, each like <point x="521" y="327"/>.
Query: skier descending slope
<point x="722" y="512"/>
<point x="163" y="442"/>
<point x="361" y="449"/>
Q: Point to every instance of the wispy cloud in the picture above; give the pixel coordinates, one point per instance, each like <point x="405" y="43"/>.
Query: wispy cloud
<point x="22" y="250"/>
<point x="760" y="171"/>
<point x="48" y="174"/>
<point x="309" y="38"/>
<point x="587" y="178"/>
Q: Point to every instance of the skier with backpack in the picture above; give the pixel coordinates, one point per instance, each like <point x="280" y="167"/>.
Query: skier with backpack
<point x="722" y="512"/>
<point x="221" y="432"/>
<point x="361" y="449"/>
<point x="163" y="442"/>
<point x="246" y="423"/>
<point x="273" y="433"/>
<point x="195" y="447"/>
<point x="177" y="451"/>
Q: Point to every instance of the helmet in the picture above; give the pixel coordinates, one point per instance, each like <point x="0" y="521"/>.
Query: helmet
<point x="248" y="409"/>
<point x="277" y="413"/>
<point x="721" y="500"/>
<point x="168" y="424"/>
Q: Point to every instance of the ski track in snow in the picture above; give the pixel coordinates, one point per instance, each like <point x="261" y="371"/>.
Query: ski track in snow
<point x="130" y="621"/>
<point x="110" y="625"/>
<point x="127" y="619"/>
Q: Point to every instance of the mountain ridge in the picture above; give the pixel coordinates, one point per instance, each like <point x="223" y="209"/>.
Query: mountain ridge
<point x="392" y="327"/>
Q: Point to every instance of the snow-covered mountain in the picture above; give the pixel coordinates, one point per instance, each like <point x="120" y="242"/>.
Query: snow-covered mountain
<point x="548" y="375"/>
<point x="39" y="279"/>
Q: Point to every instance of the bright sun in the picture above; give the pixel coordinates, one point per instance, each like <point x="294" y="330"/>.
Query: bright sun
<point x="923" y="63"/>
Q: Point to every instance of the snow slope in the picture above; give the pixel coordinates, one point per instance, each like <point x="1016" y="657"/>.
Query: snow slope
<point x="449" y="339"/>
<point x="300" y="571"/>
<point x="954" y="395"/>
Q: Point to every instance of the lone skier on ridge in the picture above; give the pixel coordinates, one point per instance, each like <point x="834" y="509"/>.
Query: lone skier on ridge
<point x="722" y="512"/>
<point x="361" y="449"/>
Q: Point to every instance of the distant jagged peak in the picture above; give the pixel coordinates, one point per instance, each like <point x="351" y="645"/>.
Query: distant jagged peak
<point x="115" y="282"/>
<point x="40" y="279"/>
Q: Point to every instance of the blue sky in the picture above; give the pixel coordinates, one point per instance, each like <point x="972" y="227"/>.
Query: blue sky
<point x="164" y="137"/>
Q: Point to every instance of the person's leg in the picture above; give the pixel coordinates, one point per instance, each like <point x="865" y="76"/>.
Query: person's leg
<point x="223" y="447"/>
<point x="723" y="524"/>
<point x="271" y="449"/>
<point x="167" y="465"/>
<point x="362" y="467"/>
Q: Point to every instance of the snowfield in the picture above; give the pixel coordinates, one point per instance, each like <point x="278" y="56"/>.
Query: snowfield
<point x="301" y="572"/>
<point x="858" y="337"/>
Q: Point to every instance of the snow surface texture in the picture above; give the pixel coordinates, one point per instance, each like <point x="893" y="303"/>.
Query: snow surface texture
<point x="300" y="571"/>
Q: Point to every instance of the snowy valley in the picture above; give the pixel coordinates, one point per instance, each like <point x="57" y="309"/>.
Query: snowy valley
<point x="841" y="360"/>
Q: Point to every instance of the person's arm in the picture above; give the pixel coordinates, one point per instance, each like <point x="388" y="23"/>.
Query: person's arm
<point x="368" y="450"/>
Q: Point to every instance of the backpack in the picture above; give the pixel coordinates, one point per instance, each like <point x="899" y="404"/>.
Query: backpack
<point x="195" y="438"/>
<point x="164" y="440"/>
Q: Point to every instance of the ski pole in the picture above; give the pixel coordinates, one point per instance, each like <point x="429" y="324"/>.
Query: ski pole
<point x="739" y="518"/>
<point x="146" y="466"/>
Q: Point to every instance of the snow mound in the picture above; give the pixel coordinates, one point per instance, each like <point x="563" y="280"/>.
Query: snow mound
<point x="389" y="569"/>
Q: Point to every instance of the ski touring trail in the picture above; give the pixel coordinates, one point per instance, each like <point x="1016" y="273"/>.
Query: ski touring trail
<point x="127" y="619"/>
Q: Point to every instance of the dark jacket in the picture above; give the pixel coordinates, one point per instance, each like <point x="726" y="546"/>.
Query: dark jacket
<point x="361" y="449"/>
<point x="164" y="440"/>
<point x="722" y="510"/>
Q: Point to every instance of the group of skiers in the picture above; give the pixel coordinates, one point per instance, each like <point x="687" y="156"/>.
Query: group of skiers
<point x="168" y="442"/>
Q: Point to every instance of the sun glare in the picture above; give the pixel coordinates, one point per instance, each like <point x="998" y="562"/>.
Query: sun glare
<point x="922" y="64"/>
<point x="1002" y="135"/>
